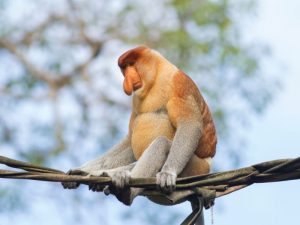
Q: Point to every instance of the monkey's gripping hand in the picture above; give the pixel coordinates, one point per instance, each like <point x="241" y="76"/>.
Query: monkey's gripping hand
<point x="166" y="181"/>
<point x="70" y="184"/>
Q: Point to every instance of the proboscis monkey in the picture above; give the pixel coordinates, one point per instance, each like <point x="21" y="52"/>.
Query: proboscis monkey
<point x="171" y="130"/>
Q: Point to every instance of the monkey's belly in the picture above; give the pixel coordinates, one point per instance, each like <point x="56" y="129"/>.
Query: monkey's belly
<point x="146" y="128"/>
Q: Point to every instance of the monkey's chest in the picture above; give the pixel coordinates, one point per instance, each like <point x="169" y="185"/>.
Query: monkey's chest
<point x="146" y="128"/>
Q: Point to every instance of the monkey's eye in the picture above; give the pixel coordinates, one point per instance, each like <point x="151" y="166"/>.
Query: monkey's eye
<point x="129" y="64"/>
<point x="125" y="65"/>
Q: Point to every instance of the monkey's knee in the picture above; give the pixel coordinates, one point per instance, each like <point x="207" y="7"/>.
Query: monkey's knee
<point x="162" y="140"/>
<point x="161" y="143"/>
<point x="152" y="159"/>
<point x="158" y="149"/>
<point x="196" y="166"/>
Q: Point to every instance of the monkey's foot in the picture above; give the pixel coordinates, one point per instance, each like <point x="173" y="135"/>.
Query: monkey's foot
<point x="71" y="184"/>
<point x="97" y="187"/>
<point x="124" y="195"/>
<point x="119" y="187"/>
<point x="120" y="179"/>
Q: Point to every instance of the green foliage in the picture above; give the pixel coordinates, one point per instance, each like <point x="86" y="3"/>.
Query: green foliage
<point x="203" y="38"/>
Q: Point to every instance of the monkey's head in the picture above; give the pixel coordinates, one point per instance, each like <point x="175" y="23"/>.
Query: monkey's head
<point x="138" y="66"/>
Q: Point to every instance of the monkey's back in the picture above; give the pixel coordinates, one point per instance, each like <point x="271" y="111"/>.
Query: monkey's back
<point x="184" y="87"/>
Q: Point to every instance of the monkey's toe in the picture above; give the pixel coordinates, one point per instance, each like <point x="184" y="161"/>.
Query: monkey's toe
<point x="120" y="179"/>
<point x="96" y="187"/>
<point x="70" y="185"/>
<point x="73" y="184"/>
<point x="77" y="172"/>
<point x="98" y="173"/>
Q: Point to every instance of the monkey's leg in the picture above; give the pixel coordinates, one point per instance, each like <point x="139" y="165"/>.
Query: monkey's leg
<point x="119" y="155"/>
<point x="109" y="172"/>
<point x="148" y="165"/>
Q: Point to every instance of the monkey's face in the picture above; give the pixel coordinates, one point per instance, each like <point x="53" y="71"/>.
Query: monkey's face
<point x="133" y="65"/>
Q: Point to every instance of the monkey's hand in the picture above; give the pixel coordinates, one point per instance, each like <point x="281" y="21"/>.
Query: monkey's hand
<point x="70" y="184"/>
<point x="166" y="181"/>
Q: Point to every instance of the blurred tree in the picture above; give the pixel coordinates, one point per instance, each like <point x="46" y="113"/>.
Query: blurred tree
<point x="60" y="88"/>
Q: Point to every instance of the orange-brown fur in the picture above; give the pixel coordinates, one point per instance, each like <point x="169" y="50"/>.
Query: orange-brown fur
<point x="167" y="97"/>
<point x="132" y="80"/>
<point x="183" y="87"/>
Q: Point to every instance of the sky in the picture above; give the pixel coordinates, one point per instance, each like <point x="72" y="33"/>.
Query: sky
<point x="276" y="134"/>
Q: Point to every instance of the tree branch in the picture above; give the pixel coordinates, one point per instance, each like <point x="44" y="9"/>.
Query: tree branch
<point x="54" y="80"/>
<point x="223" y="183"/>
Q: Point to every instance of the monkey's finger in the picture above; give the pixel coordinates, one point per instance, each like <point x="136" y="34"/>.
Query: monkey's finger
<point x="161" y="181"/>
<point x="170" y="183"/>
<point x="76" y="172"/>
<point x="96" y="187"/>
<point x="70" y="185"/>
<point x="105" y="174"/>
<point x="127" y="178"/>
<point x="64" y="185"/>
<point x="93" y="188"/>
<point x="106" y="190"/>
<point x="166" y="188"/>
<point x="99" y="188"/>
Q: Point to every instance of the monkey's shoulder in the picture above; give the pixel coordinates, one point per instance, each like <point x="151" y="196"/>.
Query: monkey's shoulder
<point x="183" y="86"/>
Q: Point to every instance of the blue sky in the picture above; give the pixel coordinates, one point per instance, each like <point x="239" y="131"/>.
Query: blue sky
<point x="274" y="135"/>
<point x="277" y="133"/>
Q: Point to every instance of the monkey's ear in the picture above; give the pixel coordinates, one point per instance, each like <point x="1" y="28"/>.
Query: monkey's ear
<point x="132" y="80"/>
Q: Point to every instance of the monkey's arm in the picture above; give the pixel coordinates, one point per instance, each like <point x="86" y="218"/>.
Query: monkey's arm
<point x="185" y="116"/>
